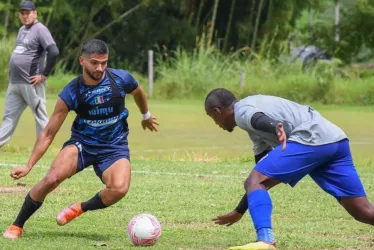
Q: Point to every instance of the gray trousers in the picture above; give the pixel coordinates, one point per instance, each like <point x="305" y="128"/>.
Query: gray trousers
<point x="18" y="97"/>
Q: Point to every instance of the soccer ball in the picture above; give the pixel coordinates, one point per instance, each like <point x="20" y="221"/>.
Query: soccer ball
<point x="144" y="230"/>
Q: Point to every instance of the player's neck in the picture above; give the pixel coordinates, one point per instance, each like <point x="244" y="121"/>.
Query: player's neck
<point x="29" y="26"/>
<point x="87" y="80"/>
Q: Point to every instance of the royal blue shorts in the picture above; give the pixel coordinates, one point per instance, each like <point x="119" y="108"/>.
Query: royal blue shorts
<point x="101" y="157"/>
<point x="330" y="166"/>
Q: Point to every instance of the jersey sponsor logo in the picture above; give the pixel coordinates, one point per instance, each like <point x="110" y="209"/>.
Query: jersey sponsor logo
<point x="98" y="91"/>
<point x="19" y="49"/>
<point x="100" y="111"/>
<point x="100" y="123"/>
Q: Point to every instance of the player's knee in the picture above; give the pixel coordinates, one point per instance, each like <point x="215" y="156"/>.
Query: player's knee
<point x="365" y="215"/>
<point x="250" y="184"/>
<point x="120" y="190"/>
<point x="51" y="181"/>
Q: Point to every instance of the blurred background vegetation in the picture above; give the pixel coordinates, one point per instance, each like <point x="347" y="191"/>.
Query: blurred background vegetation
<point x="309" y="51"/>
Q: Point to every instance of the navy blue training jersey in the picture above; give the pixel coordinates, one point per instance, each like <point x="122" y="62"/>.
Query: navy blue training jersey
<point x="107" y="131"/>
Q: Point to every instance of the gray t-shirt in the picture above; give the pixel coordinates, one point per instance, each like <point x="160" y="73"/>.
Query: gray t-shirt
<point x="307" y="126"/>
<point x="28" y="57"/>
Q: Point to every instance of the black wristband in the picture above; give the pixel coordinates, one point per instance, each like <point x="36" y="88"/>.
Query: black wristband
<point x="243" y="205"/>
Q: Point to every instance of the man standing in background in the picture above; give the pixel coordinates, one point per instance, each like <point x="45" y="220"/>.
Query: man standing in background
<point x="28" y="72"/>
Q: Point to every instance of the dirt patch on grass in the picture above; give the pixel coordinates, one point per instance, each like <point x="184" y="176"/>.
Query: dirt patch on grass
<point x="12" y="190"/>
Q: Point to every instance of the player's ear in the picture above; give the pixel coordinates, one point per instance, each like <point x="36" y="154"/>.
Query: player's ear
<point x="81" y="60"/>
<point x="217" y="110"/>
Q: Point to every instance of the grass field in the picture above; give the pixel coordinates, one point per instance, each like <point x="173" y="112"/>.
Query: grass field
<point x="186" y="174"/>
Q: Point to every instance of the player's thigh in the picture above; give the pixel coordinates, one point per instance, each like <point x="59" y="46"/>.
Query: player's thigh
<point x="117" y="174"/>
<point x="291" y="165"/>
<point x="339" y="177"/>
<point x="66" y="163"/>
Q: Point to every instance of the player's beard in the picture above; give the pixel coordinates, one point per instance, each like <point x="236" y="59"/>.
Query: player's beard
<point x="97" y="75"/>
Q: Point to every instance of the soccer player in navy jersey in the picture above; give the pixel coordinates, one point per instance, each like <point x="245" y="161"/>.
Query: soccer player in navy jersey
<point x="290" y="141"/>
<point x="98" y="138"/>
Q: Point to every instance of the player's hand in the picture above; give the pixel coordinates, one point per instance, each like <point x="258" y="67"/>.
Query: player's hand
<point x="150" y="123"/>
<point x="38" y="79"/>
<point x="281" y="135"/>
<point x="20" y="172"/>
<point x="228" y="219"/>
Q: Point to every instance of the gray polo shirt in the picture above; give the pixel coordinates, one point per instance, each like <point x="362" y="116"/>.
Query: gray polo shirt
<point x="307" y="126"/>
<point x="28" y="57"/>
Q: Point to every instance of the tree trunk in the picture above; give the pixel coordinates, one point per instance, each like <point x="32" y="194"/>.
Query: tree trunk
<point x="228" y="28"/>
<point x="337" y="10"/>
<point x="310" y="21"/>
<point x="256" y="25"/>
<point x="50" y="13"/>
<point x="201" y="5"/>
<point x="213" y="22"/>
<point x="117" y="20"/>
<point x="251" y="13"/>
<point x="270" y="11"/>
<point x="189" y="8"/>
<point x="6" y="19"/>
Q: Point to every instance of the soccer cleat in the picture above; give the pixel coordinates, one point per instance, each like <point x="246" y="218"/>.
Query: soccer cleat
<point x="13" y="232"/>
<point x="260" y="245"/>
<point x="68" y="214"/>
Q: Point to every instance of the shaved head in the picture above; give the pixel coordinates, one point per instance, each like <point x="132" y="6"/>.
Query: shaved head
<point x="219" y="105"/>
<point x="219" y="98"/>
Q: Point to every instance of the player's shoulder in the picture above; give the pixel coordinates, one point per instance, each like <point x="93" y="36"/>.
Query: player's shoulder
<point x="40" y="27"/>
<point x="247" y="106"/>
<point x="123" y="75"/>
<point x="72" y="85"/>
<point x="261" y="99"/>
<point x="250" y="100"/>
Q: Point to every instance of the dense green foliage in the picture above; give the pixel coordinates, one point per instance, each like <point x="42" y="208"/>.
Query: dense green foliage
<point x="200" y="44"/>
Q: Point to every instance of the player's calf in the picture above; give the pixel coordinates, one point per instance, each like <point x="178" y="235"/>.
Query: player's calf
<point x="260" y="205"/>
<point x="49" y="183"/>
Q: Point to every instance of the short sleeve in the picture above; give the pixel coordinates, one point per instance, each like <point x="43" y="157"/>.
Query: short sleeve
<point x="68" y="96"/>
<point x="129" y="84"/>
<point x="243" y="116"/>
<point x="45" y="37"/>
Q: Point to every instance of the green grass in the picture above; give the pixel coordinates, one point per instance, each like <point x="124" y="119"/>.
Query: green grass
<point x="186" y="175"/>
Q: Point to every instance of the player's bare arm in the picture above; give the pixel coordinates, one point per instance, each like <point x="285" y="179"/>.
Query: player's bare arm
<point x="44" y="140"/>
<point x="235" y="215"/>
<point x="140" y="98"/>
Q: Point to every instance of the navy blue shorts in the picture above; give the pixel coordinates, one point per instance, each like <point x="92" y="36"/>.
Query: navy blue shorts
<point x="330" y="166"/>
<point x="101" y="157"/>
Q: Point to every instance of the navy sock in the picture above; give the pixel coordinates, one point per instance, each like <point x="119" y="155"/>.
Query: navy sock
<point x="93" y="204"/>
<point x="260" y="208"/>
<point x="29" y="207"/>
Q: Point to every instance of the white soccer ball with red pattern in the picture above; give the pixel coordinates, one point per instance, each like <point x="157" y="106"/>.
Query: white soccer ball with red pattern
<point x="144" y="230"/>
